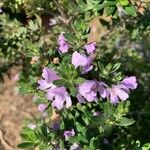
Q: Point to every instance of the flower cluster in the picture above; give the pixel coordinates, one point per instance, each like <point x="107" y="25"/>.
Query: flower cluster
<point x="83" y="61"/>
<point x="63" y="45"/>
<point x="58" y="95"/>
<point x="88" y="91"/>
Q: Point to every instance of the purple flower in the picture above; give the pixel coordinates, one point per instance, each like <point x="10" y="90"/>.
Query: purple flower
<point x="83" y="61"/>
<point x="42" y="107"/>
<point x="90" y="48"/>
<point x="63" y="45"/>
<point x="75" y="146"/>
<point x="122" y="90"/>
<point x="102" y="89"/>
<point x="68" y="134"/>
<point x="59" y="96"/>
<point x="44" y="84"/>
<point x="116" y="92"/>
<point x="49" y="76"/>
<point x="130" y="82"/>
<point x="86" y="68"/>
<point x="87" y="91"/>
<point x="55" y="126"/>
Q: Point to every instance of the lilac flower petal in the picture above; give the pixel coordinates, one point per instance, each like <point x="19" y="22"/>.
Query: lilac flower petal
<point x="61" y="39"/>
<point x="121" y="94"/>
<point x="88" y="66"/>
<point x="80" y="98"/>
<point x="83" y="61"/>
<point x="86" y="69"/>
<point x="63" y="45"/>
<point x="43" y="85"/>
<point x="116" y="92"/>
<point x="130" y="82"/>
<point x="55" y="126"/>
<point x="42" y="107"/>
<point x="50" y="94"/>
<point x="102" y="89"/>
<point x="49" y="75"/>
<point x="88" y="90"/>
<point x="113" y="97"/>
<point x="122" y="90"/>
<point x="68" y="101"/>
<point x="90" y="48"/>
<point x="78" y="59"/>
<point x="69" y="133"/>
<point x="92" y="96"/>
<point x="59" y="96"/>
<point x="58" y="103"/>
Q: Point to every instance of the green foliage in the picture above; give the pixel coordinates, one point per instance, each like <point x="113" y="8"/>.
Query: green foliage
<point x="122" y="51"/>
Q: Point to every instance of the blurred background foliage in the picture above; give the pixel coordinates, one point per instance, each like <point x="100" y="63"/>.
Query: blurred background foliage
<point x="121" y="28"/>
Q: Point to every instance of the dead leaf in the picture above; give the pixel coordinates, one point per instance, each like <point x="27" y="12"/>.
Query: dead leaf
<point x="97" y="29"/>
<point x="55" y="117"/>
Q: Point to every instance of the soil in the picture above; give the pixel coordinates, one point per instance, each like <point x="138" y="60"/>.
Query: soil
<point x="14" y="109"/>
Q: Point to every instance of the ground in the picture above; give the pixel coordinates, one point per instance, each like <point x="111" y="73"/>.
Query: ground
<point x="14" y="109"/>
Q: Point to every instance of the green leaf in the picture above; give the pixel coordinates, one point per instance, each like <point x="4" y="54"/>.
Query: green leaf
<point x="124" y="2"/>
<point x="25" y="88"/>
<point x="108" y="110"/>
<point x="73" y="139"/>
<point x="109" y="10"/>
<point x="26" y="137"/>
<point x="80" y="25"/>
<point x="125" y="121"/>
<point x="130" y="10"/>
<point x="116" y="66"/>
<point x="29" y="134"/>
<point x="79" y="80"/>
<point x="93" y="143"/>
<point x="44" y="129"/>
<point x="82" y="138"/>
<point x="109" y="3"/>
<point x="146" y="146"/>
<point x="73" y="91"/>
<point x="70" y="37"/>
<point x="61" y="142"/>
<point x="108" y="68"/>
<point x="26" y="145"/>
<point x="80" y="128"/>
<point x="62" y="82"/>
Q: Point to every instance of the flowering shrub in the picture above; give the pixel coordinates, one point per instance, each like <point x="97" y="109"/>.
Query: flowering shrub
<point x="84" y="105"/>
<point x="87" y="67"/>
